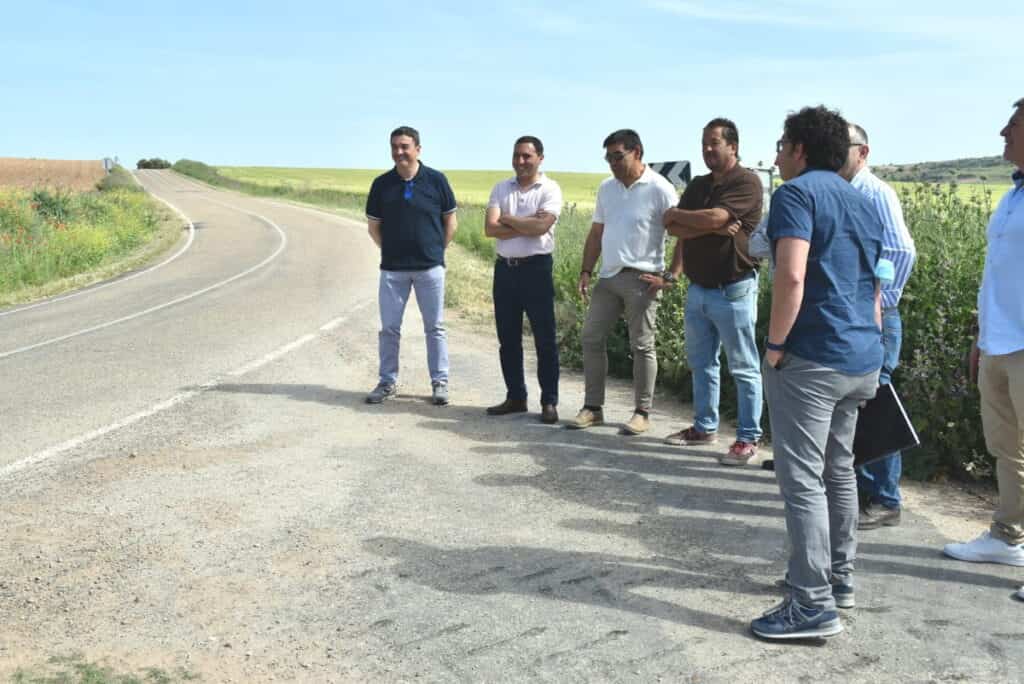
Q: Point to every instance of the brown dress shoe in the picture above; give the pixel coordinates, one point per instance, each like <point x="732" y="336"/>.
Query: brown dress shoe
<point x="506" y="407"/>
<point x="548" y="414"/>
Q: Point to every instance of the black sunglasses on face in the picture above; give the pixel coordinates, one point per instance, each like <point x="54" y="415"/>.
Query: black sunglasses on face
<point x="616" y="156"/>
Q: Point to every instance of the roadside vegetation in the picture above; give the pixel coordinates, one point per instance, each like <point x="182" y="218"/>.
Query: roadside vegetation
<point x="76" y="670"/>
<point x="939" y="306"/>
<point x="53" y="239"/>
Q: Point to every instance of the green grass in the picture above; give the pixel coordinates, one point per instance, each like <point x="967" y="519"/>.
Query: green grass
<point x="965" y="191"/>
<point x="51" y="239"/>
<point x="75" y="670"/>
<point x="471" y="187"/>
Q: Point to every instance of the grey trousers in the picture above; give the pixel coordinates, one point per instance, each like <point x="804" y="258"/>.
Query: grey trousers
<point x="624" y="292"/>
<point x="813" y="412"/>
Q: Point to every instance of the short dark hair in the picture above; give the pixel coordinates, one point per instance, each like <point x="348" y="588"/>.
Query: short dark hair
<point x="626" y="137"/>
<point x="1019" y="103"/>
<point x="533" y="140"/>
<point x="408" y="131"/>
<point x="824" y="134"/>
<point x="729" y="132"/>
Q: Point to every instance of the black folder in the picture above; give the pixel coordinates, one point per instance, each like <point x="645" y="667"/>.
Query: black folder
<point x="883" y="427"/>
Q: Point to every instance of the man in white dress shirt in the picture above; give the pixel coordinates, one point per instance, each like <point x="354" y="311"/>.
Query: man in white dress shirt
<point x="997" y="361"/>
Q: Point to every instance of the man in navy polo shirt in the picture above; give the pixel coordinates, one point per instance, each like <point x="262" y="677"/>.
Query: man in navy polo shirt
<point x="824" y="353"/>
<point x="410" y="212"/>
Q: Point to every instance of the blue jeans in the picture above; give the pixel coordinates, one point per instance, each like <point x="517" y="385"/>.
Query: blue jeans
<point x="526" y="286"/>
<point x="879" y="481"/>
<point x="393" y="296"/>
<point x="717" y="317"/>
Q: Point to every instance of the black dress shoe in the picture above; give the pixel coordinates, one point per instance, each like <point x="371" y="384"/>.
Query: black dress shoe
<point x="874" y="516"/>
<point x="548" y="414"/>
<point x="507" y="406"/>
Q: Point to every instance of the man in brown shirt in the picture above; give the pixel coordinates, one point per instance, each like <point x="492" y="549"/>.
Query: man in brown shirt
<point x="714" y="220"/>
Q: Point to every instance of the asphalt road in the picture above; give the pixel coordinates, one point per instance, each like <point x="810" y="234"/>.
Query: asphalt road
<point x="200" y="486"/>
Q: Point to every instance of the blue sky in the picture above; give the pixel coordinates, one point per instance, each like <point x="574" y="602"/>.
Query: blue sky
<point x="322" y="83"/>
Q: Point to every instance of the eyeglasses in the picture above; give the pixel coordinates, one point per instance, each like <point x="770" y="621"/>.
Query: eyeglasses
<point x="779" y="144"/>
<point x="409" y="185"/>
<point x="616" y="156"/>
<point x="857" y="144"/>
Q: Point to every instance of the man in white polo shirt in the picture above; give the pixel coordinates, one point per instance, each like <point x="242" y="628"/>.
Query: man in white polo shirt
<point x="628" y="234"/>
<point x="521" y="216"/>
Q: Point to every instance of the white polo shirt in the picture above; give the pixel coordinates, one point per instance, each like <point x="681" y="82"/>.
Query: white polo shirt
<point x="513" y="200"/>
<point x="634" y="233"/>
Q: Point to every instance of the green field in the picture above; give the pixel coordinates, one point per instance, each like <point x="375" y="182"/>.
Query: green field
<point x="471" y="187"/>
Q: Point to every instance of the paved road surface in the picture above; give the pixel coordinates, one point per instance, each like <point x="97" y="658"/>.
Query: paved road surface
<point x="202" y="487"/>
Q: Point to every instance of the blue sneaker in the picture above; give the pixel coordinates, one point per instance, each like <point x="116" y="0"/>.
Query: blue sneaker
<point x="790" y="620"/>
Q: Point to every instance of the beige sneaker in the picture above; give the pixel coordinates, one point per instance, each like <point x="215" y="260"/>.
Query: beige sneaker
<point x="586" y="418"/>
<point x="637" y="424"/>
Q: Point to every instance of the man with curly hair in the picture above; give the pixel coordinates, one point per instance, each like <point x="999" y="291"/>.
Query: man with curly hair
<point x="824" y="352"/>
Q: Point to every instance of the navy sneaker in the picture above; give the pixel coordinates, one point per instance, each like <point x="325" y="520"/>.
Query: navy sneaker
<point x="844" y="596"/>
<point x="790" y="620"/>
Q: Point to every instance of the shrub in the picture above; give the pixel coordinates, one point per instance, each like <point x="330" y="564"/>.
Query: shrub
<point x="154" y="163"/>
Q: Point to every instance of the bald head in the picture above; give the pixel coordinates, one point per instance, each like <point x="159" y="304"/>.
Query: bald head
<point x="857" y="157"/>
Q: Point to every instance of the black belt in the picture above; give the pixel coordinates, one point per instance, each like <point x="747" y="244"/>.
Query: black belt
<point x="512" y="262"/>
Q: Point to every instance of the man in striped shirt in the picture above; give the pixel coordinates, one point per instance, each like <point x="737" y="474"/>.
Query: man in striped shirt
<point x="878" y="482"/>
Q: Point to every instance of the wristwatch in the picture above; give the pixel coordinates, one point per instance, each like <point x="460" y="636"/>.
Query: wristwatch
<point x="770" y="346"/>
<point x="669" y="277"/>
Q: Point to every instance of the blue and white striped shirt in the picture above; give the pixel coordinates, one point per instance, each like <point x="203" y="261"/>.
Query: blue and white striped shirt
<point x="897" y="245"/>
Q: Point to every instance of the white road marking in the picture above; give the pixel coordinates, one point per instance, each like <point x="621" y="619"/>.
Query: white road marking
<point x="118" y="281"/>
<point x="180" y="397"/>
<point x="178" y="300"/>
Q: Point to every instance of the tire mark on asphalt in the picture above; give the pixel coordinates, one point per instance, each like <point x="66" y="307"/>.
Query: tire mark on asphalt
<point x="451" y="629"/>
<point x="611" y="636"/>
<point x="534" y="575"/>
<point x="535" y="631"/>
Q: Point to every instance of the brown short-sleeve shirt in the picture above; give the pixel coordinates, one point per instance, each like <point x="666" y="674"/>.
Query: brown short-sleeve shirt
<point x="716" y="260"/>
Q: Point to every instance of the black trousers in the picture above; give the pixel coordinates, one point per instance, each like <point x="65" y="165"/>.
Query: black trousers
<point x="526" y="286"/>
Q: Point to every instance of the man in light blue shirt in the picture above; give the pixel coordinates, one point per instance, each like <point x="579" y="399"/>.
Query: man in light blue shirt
<point x="997" y="361"/>
<point x="878" y="482"/>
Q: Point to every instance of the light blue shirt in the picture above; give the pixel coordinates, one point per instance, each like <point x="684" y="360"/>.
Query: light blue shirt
<point x="1001" y="298"/>
<point x="897" y="245"/>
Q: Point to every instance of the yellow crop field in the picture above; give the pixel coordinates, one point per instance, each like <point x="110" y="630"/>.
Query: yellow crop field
<point x="51" y="173"/>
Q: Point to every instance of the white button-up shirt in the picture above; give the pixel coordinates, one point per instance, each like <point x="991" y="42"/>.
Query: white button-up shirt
<point x="1001" y="298"/>
<point x="634" y="232"/>
<point x="514" y="200"/>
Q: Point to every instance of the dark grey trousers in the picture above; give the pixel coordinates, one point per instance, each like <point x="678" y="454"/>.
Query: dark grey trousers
<point x="813" y="412"/>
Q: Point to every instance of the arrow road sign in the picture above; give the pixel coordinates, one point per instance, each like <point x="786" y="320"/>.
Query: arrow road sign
<point x="677" y="172"/>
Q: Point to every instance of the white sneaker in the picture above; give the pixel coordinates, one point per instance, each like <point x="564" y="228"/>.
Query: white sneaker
<point x="986" y="549"/>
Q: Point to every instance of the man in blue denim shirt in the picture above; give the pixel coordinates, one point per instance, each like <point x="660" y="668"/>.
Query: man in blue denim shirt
<point x="878" y="482"/>
<point x="715" y="216"/>
<point x="824" y="351"/>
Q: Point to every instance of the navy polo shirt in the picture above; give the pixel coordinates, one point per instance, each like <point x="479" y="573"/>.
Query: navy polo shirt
<point x="410" y="212"/>
<point x="836" y="324"/>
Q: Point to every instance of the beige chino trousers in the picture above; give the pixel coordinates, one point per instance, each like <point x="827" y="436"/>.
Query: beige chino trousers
<point x="1001" y="382"/>
<point x="622" y="293"/>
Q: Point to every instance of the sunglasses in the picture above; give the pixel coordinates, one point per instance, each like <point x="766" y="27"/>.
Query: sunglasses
<point x="616" y="156"/>
<point x="409" y="185"/>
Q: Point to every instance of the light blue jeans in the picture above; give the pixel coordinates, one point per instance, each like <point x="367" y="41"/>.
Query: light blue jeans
<point x="394" y="295"/>
<point x="724" y="317"/>
<point x="879" y="481"/>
